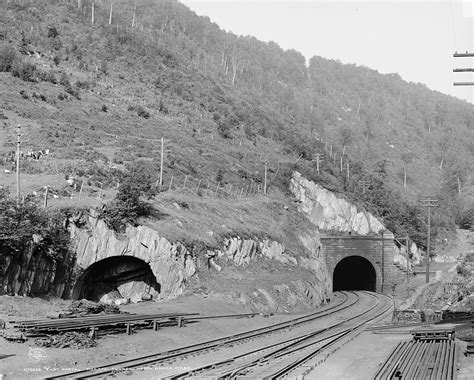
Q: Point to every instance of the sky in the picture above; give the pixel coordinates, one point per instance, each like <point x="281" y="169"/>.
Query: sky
<point x="415" y="39"/>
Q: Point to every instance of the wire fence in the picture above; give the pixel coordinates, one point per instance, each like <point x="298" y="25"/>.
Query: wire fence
<point x="212" y="188"/>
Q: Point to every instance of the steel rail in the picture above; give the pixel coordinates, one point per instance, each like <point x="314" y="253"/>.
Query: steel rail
<point x="212" y="344"/>
<point x="353" y="331"/>
<point x="75" y="325"/>
<point x="423" y="359"/>
<point x="393" y="360"/>
<point x="303" y="342"/>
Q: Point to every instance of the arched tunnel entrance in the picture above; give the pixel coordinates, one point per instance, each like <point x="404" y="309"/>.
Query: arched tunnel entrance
<point x="354" y="273"/>
<point x="117" y="277"/>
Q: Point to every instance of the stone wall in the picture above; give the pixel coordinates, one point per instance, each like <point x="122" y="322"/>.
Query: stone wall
<point x="380" y="253"/>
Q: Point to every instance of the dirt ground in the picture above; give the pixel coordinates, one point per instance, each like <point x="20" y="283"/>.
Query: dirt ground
<point x="21" y="361"/>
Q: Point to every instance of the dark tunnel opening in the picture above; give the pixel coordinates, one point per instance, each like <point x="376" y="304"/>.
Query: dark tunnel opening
<point x="115" y="278"/>
<point x="354" y="273"/>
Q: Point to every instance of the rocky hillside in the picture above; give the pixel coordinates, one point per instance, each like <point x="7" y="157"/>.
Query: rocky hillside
<point x="94" y="93"/>
<point x="106" y="89"/>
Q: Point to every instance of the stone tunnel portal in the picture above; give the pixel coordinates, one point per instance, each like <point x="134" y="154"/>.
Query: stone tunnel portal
<point x="117" y="277"/>
<point x="354" y="273"/>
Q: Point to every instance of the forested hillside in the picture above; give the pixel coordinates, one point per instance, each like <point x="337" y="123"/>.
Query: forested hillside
<point x="103" y="81"/>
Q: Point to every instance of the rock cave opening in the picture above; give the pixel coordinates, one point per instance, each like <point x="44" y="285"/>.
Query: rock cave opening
<point x="117" y="278"/>
<point x="354" y="273"/>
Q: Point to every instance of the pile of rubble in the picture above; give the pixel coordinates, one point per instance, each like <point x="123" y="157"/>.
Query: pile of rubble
<point x="70" y="339"/>
<point x="84" y="307"/>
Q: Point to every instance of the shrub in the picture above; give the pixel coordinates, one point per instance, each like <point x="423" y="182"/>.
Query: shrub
<point x="142" y="112"/>
<point x="8" y="55"/>
<point x="85" y="85"/>
<point x="127" y="206"/>
<point x="24" y="70"/>
<point x="52" y="31"/>
<point x="64" y="79"/>
<point x="462" y="270"/>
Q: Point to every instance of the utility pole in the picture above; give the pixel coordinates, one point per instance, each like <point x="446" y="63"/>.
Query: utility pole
<point x="466" y="70"/>
<point x="18" y="143"/>
<point x="161" y="161"/>
<point x="408" y="266"/>
<point x="265" y="178"/>
<point x="364" y="183"/>
<point x="318" y="158"/>
<point x="383" y="261"/>
<point x="429" y="202"/>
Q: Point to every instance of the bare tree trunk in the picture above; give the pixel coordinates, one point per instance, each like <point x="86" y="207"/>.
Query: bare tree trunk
<point x="404" y="177"/>
<point x="234" y="73"/>
<point x="358" y="108"/>
<point x="235" y="68"/>
<point x="441" y="164"/>
<point x="93" y="10"/>
<point x="459" y="185"/>
<point x="111" y="10"/>
<point x="134" y="14"/>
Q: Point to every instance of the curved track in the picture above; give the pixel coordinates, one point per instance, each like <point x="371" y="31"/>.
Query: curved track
<point x="280" y="347"/>
<point x="286" y="357"/>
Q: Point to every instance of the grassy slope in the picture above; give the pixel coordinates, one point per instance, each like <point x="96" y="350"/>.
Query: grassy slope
<point x="79" y="132"/>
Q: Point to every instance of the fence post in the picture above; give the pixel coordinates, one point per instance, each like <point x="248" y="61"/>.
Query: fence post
<point x="46" y="196"/>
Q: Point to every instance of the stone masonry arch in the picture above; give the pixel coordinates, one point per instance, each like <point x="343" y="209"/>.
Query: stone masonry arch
<point x="377" y="250"/>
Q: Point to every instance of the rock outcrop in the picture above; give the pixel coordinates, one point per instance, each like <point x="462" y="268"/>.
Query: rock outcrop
<point x="309" y="291"/>
<point x="171" y="263"/>
<point x="330" y="213"/>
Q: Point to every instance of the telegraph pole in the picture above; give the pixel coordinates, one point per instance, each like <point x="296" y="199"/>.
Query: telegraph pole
<point x="466" y="70"/>
<point x="428" y="203"/>
<point x="265" y="178"/>
<point x="318" y="157"/>
<point x="408" y="266"/>
<point x="18" y="143"/>
<point x="161" y="161"/>
<point x="364" y="183"/>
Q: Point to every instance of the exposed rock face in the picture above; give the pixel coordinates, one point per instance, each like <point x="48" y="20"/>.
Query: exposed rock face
<point x="330" y="213"/>
<point x="32" y="272"/>
<point x="310" y="291"/>
<point x="171" y="263"/>
<point x="242" y="251"/>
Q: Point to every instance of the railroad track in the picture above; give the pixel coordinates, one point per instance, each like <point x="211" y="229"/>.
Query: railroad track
<point x="430" y="358"/>
<point x="343" y="300"/>
<point x="291" y="357"/>
<point x="278" y="349"/>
